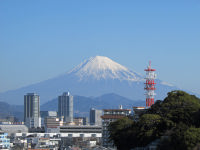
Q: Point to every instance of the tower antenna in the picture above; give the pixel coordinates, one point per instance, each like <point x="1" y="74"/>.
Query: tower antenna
<point x="150" y="85"/>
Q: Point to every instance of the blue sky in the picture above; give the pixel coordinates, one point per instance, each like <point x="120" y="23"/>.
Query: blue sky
<point x="42" y="39"/>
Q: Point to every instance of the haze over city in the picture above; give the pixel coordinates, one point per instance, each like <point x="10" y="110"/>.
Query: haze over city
<point x="40" y="40"/>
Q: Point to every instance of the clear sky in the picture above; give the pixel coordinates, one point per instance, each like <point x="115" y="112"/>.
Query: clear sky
<point x="41" y="39"/>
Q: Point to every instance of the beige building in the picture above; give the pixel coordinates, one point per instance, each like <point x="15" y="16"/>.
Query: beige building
<point x="52" y="124"/>
<point x="78" y="121"/>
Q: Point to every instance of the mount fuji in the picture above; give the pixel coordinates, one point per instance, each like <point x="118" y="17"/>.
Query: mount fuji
<point x="93" y="77"/>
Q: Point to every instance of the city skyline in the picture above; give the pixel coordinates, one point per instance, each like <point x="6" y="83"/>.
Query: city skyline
<point x="41" y="40"/>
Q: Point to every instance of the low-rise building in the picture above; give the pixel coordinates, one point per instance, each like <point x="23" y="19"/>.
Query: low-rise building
<point x="45" y="114"/>
<point x="81" y="131"/>
<point x="52" y="124"/>
<point x="137" y="111"/>
<point x="111" y="115"/>
<point x="14" y="128"/>
<point x="4" y="140"/>
<point x="42" y="142"/>
<point x="78" y="121"/>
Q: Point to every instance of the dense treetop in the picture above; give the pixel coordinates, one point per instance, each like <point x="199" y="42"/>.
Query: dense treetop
<point x="175" y="122"/>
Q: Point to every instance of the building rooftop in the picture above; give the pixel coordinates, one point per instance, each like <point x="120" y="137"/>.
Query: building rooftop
<point x="13" y="128"/>
<point x="112" y="116"/>
<point x="139" y="107"/>
<point x="117" y="109"/>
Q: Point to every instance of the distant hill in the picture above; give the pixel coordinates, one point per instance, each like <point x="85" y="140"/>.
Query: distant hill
<point x="11" y="110"/>
<point x="83" y="104"/>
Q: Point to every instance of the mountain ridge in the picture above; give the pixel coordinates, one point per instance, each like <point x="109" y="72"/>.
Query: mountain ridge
<point x="93" y="77"/>
<point x="83" y="104"/>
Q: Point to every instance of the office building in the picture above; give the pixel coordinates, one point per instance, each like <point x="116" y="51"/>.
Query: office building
<point x="32" y="110"/>
<point x="45" y="114"/>
<point x="95" y="117"/>
<point x="111" y="115"/>
<point x="65" y="107"/>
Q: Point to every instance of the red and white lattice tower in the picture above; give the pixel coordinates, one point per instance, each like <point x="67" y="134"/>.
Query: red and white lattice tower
<point x="150" y="85"/>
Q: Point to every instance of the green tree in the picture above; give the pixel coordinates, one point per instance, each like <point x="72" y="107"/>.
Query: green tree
<point x="177" y="117"/>
<point x="120" y="133"/>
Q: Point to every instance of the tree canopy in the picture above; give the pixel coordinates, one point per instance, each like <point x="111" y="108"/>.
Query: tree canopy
<point x="177" y="118"/>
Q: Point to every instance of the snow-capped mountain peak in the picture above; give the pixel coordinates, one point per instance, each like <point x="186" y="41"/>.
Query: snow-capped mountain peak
<point x="96" y="76"/>
<point x="101" y="67"/>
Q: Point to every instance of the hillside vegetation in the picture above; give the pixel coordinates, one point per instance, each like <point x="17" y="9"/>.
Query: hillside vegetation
<point x="175" y="122"/>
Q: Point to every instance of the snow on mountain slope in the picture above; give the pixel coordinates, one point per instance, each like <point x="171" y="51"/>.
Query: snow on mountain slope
<point x="101" y="67"/>
<point x="94" y="77"/>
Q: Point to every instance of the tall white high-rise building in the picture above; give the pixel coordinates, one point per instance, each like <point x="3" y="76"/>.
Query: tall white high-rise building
<point x="32" y="110"/>
<point x="95" y="116"/>
<point x="65" y="107"/>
